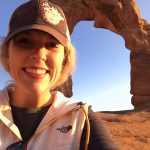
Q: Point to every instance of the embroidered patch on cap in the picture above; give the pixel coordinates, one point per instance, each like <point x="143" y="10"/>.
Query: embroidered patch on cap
<point x="51" y="15"/>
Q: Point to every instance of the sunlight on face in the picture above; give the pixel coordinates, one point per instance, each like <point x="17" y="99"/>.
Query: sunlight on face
<point x="35" y="61"/>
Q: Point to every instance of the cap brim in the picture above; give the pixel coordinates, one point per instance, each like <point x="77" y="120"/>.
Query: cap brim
<point x="60" y="37"/>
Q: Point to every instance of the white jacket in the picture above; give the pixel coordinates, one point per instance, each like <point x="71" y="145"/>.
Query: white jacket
<point x="60" y="129"/>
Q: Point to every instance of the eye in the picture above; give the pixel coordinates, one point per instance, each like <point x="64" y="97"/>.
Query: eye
<point x="23" y="41"/>
<point x="51" y="45"/>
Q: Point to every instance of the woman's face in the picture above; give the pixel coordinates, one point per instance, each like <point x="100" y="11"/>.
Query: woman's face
<point x="35" y="61"/>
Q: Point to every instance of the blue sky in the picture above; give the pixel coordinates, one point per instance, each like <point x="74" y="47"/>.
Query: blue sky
<point x="102" y="77"/>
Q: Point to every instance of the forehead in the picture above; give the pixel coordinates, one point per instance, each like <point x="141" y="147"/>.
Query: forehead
<point x="36" y="33"/>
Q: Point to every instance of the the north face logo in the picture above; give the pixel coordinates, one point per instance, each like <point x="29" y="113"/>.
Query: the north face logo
<point x="65" y="129"/>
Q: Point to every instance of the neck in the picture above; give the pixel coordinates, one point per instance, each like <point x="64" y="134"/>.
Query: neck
<point x="19" y="98"/>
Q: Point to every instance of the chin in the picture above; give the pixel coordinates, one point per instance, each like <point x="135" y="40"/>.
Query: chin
<point x="37" y="89"/>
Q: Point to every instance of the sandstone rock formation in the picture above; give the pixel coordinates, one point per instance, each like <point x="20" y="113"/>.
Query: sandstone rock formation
<point x="123" y="18"/>
<point x="130" y="129"/>
<point x="66" y="88"/>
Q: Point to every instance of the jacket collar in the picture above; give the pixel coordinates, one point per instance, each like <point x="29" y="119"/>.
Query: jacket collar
<point x="5" y="111"/>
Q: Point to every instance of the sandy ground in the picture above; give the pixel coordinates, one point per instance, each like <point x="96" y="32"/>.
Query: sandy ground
<point x="130" y="129"/>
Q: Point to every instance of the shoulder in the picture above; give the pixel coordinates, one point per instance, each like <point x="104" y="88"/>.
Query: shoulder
<point x="3" y="99"/>
<point x="4" y="96"/>
<point x="62" y="101"/>
<point x="99" y="135"/>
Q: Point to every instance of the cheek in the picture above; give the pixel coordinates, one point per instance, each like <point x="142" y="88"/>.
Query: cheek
<point x="56" y="61"/>
<point x="13" y="65"/>
<point x="14" y="61"/>
<point x="60" y="59"/>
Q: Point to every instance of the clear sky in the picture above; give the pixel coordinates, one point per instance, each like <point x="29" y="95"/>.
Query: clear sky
<point x="102" y="77"/>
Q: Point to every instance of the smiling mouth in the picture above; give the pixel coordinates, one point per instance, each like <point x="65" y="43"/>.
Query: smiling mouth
<point x="35" y="71"/>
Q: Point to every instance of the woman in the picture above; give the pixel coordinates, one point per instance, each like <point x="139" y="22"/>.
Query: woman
<point x="38" y="55"/>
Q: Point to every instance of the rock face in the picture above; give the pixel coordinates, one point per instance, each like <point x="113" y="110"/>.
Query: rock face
<point x="123" y="18"/>
<point x="130" y="129"/>
<point x="66" y="88"/>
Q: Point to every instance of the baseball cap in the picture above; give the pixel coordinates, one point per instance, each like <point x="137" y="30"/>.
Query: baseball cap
<point x="39" y="15"/>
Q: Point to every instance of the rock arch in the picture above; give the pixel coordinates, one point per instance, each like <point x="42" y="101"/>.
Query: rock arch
<point x="123" y="18"/>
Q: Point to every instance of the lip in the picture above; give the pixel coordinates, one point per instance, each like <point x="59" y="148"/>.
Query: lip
<point x="35" y="72"/>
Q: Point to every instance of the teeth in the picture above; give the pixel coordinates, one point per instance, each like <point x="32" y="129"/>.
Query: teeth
<point x="35" y="71"/>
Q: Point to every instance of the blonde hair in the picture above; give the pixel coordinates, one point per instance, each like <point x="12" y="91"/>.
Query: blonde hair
<point x="69" y="63"/>
<point x="4" y="55"/>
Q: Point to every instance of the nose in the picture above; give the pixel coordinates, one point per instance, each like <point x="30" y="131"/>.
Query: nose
<point x="39" y="54"/>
